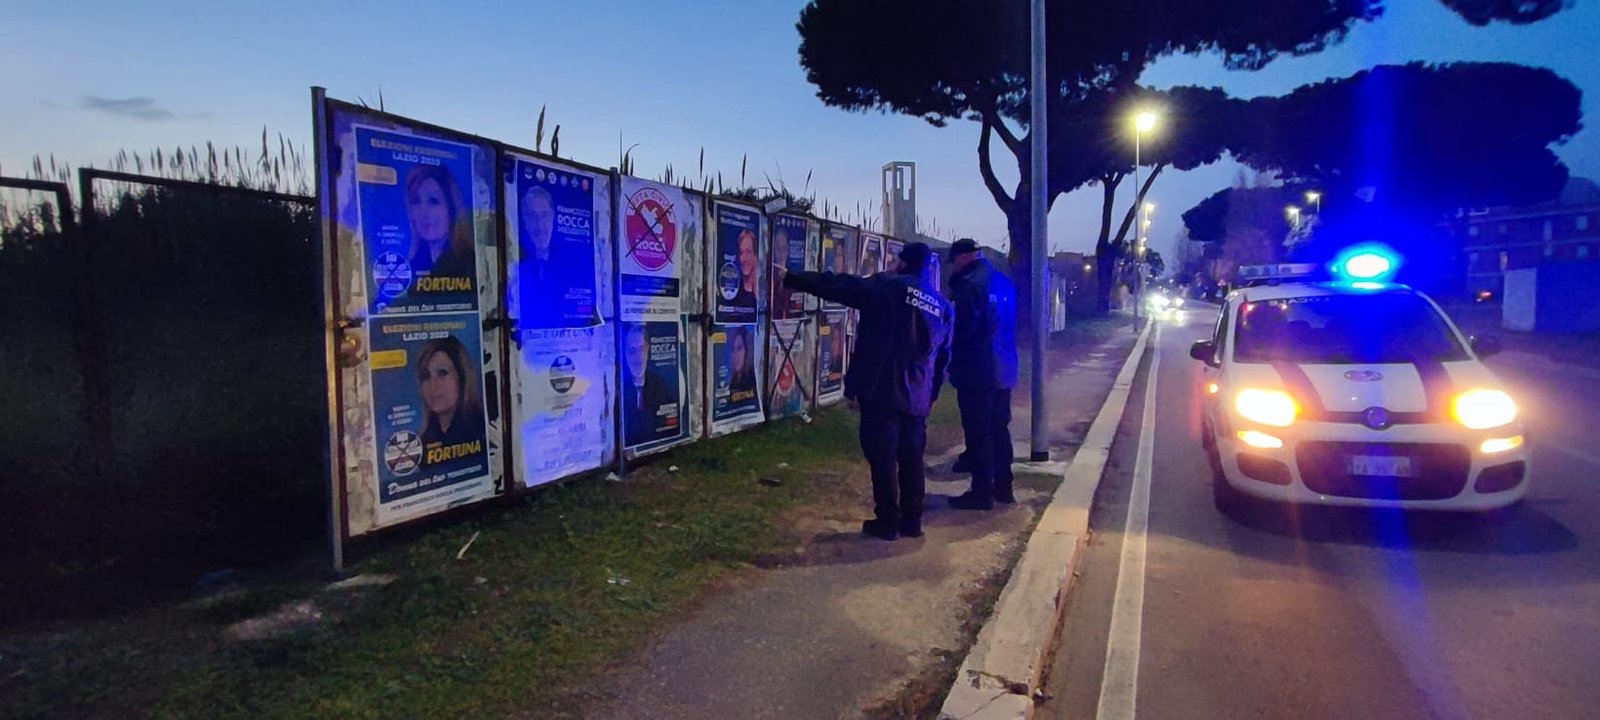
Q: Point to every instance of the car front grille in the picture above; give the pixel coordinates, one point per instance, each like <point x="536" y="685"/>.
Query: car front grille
<point x="1440" y="470"/>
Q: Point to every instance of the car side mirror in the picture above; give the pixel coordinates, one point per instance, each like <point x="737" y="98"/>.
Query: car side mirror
<point x="1486" y="345"/>
<point x="1205" y="351"/>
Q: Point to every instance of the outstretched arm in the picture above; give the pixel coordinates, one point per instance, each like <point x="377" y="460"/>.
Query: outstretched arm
<point x="847" y="290"/>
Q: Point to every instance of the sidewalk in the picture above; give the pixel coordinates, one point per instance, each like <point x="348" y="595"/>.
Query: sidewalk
<point x="1582" y="350"/>
<point x="843" y="626"/>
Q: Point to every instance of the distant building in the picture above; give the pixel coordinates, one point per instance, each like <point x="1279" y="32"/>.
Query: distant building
<point x="900" y="205"/>
<point x="1495" y="240"/>
<point x="900" y="199"/>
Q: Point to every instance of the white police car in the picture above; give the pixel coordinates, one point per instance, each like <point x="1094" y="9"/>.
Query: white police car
<point x="1353" y="391"/>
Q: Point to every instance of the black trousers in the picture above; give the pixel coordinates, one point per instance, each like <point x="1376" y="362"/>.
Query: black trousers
<point x="893" y="443"/>
<point x="986" y="421"/>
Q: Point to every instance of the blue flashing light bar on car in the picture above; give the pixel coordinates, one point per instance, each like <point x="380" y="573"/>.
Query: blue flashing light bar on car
<point x="1370" y="262"/>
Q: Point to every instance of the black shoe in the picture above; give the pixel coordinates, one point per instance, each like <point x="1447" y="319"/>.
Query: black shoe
<point x="972" y="501"/>
<point x="1005" y="497"/>
<point x="911" y="531"/>
<point x="879" y="529"/>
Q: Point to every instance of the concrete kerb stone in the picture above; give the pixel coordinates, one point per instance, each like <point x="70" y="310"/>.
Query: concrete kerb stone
<point x="1005" y="665"/>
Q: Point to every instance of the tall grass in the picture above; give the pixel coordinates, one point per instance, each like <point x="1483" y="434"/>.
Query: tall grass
<point x="197" y="314"/>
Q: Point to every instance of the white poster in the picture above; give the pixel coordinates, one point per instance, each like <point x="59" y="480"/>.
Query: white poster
<point x="564" y="402"/>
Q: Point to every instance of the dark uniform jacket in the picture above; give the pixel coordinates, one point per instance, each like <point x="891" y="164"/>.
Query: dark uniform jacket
<point x="902" y="341"/>
<point x="984" y="351"/>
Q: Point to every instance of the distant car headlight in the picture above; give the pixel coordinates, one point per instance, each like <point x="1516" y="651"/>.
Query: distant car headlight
<point x="1177" y="302"/>
<point x="1159" y="301"/>
<point x="1481" y="409"/>
<point x="1268" y="407"/>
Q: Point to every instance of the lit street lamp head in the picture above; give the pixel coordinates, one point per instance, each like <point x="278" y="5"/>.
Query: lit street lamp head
<point x="1144" y="121"/>
<point x="1313" y="196"/>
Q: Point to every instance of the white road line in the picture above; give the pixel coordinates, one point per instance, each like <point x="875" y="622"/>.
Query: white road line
<point x="1119" y="686"/>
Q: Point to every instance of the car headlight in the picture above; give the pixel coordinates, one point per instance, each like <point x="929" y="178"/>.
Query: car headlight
<point x="1268" y="407"/>
<point x="1481" y="409"/>
<point x="1159" y="301"/>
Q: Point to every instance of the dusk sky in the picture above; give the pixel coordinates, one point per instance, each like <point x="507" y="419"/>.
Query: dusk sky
<point x="85" y="79"/>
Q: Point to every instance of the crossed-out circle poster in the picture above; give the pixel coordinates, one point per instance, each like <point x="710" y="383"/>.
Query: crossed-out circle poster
<point x="656" y="222"/>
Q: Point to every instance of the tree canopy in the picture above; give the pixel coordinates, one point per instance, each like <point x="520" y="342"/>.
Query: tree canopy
<point x="1426" y="139"/>
<point x="954" y="59"/>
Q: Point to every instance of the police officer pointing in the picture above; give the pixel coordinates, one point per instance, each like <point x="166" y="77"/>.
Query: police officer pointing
<point x="901" y="354"/>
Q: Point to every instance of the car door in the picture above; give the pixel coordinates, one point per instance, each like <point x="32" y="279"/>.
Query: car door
<point x="1212" y="374"/>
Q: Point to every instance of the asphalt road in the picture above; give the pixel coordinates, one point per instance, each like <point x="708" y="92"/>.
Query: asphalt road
<point x="1336" y="614"/>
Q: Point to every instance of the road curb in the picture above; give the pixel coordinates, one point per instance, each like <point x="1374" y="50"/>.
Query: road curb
<point x="1005" y="665"/>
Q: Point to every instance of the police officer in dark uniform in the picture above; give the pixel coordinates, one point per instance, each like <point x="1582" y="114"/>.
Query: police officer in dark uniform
<point x="983" y="369"/>
<point x="898" y="364"/>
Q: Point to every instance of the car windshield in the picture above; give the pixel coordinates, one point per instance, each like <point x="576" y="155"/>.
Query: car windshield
<point x="1335" y="329"/>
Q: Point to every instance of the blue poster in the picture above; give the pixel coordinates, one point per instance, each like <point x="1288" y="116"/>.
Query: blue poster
<point x="789" y="248"/>
<point x="553" y="223"/>
<point x="838" y="253"/>
<point x="653" y="406"/>
<point x="417" y="222"/>
<point x="735" y="362"/>
<point x="738" y="264"/>
<point x="428" y="398"/>
<point x="831" y="354"/>
<point x="871" y="255"/>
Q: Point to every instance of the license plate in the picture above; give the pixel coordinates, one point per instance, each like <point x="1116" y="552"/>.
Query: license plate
<point x="1379" y="465"/>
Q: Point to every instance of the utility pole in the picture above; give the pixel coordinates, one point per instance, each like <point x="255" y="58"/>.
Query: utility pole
<point x="1038" y="132"/>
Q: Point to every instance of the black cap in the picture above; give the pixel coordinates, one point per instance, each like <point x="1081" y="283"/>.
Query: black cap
<point x="962" y="247"/>
<point x="916" y="255"/>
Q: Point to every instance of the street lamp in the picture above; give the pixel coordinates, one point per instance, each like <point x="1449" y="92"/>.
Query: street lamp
<point x="1294" y="215"/>
<point x="1144" y="121"/>
<point x="1315" y="198"/>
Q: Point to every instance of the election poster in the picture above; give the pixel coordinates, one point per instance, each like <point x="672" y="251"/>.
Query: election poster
<point x="789" y="376"/>
<point x="790" y="234"/>
<point x="736" y="360"/>
<point x="650" y="248"/>
<point x="564" y="398"/>
<point x="838" y="253"/>
<point x="653" y="387"/>
<point x="415" y="202"/>
<point x="891" y="251"/>
<point x="414" y="219"/>
<point x="872" y="261"/>
<point x="558" y="240"/>
<point x="551" y="230"/>
<point x="737" y="267"/>
<point x="831" y="356"/>
<point x="428" y="394"/>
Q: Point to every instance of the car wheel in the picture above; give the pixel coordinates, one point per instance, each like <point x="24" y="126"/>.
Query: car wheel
<point x="1225" y="497"/>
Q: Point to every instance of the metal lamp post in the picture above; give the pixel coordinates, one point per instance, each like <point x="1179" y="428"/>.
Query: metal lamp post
<point x="1142" y="123"/>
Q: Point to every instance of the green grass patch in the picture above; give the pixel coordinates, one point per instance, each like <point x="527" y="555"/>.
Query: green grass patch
<point x="554" y="587"/>
<point x="557" y="586"/>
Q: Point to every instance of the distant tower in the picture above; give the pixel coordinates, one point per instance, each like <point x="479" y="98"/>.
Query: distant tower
<point x="900" y="199"/>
